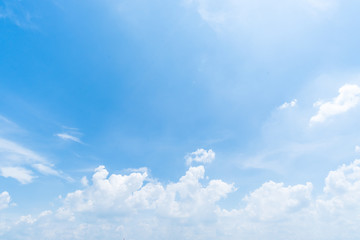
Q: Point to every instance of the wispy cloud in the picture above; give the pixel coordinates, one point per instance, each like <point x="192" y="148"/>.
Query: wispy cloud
<point x="17" y="153"/>
<point x="16" y="162"/>
<point x="17" y="14"/>
<point x="68" y="137"/>
<point x="23" y="175"/>
<point x="348" y="98"/>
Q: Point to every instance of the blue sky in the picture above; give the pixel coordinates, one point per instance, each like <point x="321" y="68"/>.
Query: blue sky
<point x="213" y="119"/>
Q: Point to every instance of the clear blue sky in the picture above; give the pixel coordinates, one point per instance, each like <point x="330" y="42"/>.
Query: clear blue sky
<point x="261" y="95"/>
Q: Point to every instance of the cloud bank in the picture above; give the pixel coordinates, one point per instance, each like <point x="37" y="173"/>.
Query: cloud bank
<point x="117" y="206"/>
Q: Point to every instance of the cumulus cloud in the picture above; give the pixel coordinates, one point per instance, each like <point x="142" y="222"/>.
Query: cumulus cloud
<point x="273" y="200"/>
<point x="4" y="200"/>
<point x="288" y="104"/>
<point x="200" y="156"/>
<point x="134" y="192"/>
<point x="117" y="206"/>
<point x="348" y="98"/>
<point x="68" y="137"/>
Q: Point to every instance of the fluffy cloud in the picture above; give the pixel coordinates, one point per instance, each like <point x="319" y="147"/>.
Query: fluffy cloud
<point x="200" y="156"/>
<point x="348" y="98"/>
<point x="117" y="206"/>
<point x="4" y="200"/>
<point x="288" y="104"/>
<point x="136" y="192"/>
<point x="342" y="189"/>
<point x="273" y="200"/>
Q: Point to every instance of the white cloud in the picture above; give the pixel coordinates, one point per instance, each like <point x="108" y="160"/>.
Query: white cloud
<point x="29" y="219"/>
<point x="117" y="206"/>
<point x="134" y="192"/>
<point x="273" y="200"/>
<point x="4" y="200"/>
<point x="45" y="169"/>
<point x="66" y="136"/>
<point x="200" y="156"/>
<point x="23" y="175"/>
<point x="348" y="98"/>
<point x="288" y="104"/>
<point x="357" y="149"/>
<point x="84" y="181"/>
<point x="15" y="161"/>
<point x="17" y="153"/>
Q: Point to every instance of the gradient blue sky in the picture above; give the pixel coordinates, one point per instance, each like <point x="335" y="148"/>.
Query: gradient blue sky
<point x="133" y="84"/>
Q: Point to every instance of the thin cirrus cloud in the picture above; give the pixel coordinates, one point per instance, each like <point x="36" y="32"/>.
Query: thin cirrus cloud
<point x="22" y="175"/>
<point x="68" y="137"/>
<point x="18" y="162"/>
<point x="348" y="98"/>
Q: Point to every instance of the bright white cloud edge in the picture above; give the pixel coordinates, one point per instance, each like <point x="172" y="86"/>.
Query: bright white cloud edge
<point x="200" y="156"/>
<point x="348" y="98"/>
<point x="288" y="104"/>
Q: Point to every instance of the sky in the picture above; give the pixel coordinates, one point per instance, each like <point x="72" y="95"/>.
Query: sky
<point x="184" y="119"/>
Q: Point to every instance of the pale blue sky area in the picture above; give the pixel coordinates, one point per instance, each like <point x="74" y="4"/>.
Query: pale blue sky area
<point x="258" y="92"/>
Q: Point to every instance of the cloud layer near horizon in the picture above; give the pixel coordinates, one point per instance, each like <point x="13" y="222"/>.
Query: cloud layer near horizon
<point x="118" y="206"/>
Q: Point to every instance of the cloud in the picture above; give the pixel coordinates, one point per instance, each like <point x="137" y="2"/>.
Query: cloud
<point x="135" y="192"/>
<point x="15" y="161"/>
<point x="357" y="149"/>
<point x="68" y="137"/>
<point x="262" y="15"/>
<point x="273" y="200"/>
<point x="23" y="175"/>
<point x="288" y="104"/>
<point x="4" y="200"/>
<point x="16" y="13"/>
<point x="17" y="153"/>
<point x="200" y="156"/>
<point x="348" y="98"/>
<point x="29" y="219"/>
<point x="117" y="206"/>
